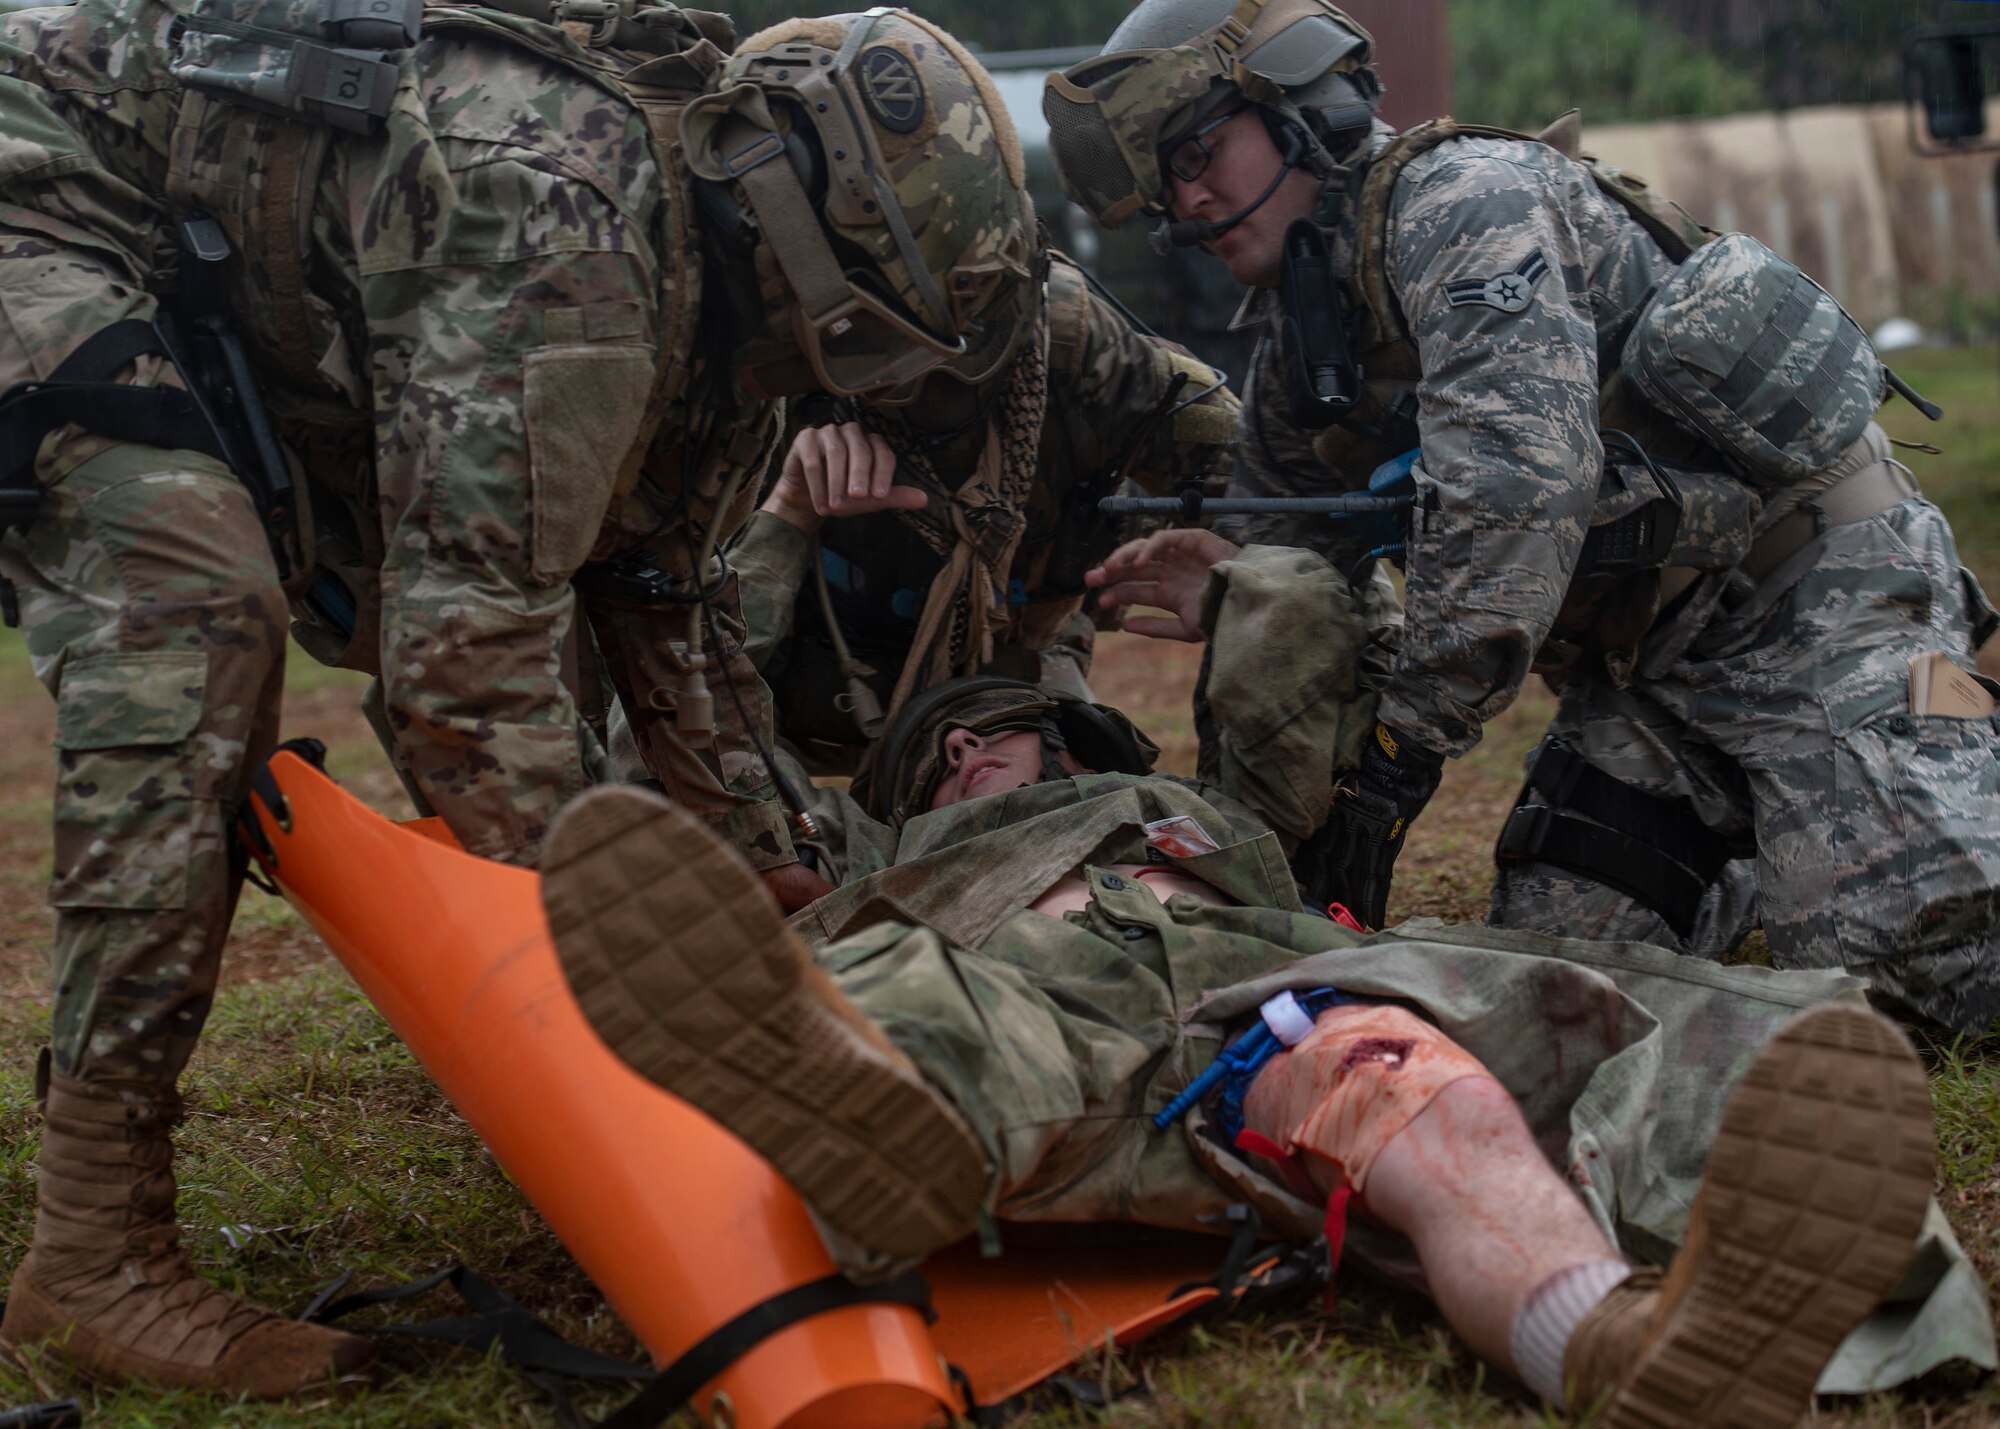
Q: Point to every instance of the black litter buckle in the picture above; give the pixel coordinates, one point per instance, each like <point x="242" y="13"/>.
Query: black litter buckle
<point x="264" y="790"/>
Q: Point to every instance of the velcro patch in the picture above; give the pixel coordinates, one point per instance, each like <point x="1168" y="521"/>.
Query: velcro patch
<point x="1508" y="291"/>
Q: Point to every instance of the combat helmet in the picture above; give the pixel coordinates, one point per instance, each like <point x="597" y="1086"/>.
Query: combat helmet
<point x="880" y="174"/>
<point x="1174" y="64"/>
<point x="912" y="759"/>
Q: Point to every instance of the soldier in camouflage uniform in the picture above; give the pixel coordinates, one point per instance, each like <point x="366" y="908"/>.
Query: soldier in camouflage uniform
<point x="1736" y="685"/>
<point x="506" y="334"/>
<point x="890" y="499"/>
<point x="1034" y="959"/>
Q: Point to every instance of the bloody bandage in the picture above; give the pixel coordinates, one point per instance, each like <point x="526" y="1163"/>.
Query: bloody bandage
<point x="1351" y="1086"/>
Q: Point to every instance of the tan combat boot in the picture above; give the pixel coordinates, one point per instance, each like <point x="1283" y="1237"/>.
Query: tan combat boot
<point x="105" y="1279"/>
<point x="1807" y="1217"/>
<point x="685" y="967"/>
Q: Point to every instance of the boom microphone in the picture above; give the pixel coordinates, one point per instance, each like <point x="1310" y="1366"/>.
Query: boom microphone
<point x="1193" y="232"/>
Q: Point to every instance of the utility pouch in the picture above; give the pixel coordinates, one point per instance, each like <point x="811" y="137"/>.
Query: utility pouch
<point x="1758" y="360"/>
<point x="1637" y="518"/>
<point x="1322" y="379"/>
<point x="318" y="60"/>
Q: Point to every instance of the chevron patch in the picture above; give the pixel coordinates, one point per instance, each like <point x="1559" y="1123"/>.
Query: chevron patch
<point x="1508" y="292"/>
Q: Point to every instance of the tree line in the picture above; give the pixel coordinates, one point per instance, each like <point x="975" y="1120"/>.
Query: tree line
<point x="1521" y="62"/>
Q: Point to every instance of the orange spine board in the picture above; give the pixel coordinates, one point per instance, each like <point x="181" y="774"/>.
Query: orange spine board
<point x="681" y="1225"/>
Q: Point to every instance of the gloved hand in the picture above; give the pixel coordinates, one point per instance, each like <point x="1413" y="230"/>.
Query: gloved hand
<point x="1351" y="858"/>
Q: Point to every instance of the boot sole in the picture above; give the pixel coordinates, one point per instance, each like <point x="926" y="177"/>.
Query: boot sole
<point x="1815" y="1192"/>
<point x="685" y="967"/>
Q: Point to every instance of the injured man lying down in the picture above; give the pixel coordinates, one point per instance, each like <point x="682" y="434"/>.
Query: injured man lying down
<point x="1052" y="985"/>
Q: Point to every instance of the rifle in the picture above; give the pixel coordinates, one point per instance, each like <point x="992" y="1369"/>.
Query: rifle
<point x="1381" y="512"/>
<point x="1641" y="538"/>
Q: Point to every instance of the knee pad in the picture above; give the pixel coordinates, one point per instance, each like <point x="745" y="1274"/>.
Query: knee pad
<point x="1575" y="817"/>
<point x="1351" y="1086"/>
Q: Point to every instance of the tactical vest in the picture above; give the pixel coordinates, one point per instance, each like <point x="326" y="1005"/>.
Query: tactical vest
<point x="1603" y="613"/>
<point x="255" y="170"/>
<point x="1387" y="352"/>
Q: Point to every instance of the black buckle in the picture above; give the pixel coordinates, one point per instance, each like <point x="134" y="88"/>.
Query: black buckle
<point x="1525" y="833"/>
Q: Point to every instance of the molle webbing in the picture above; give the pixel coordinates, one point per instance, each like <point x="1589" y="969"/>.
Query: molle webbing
<point x="1670" y="226"/>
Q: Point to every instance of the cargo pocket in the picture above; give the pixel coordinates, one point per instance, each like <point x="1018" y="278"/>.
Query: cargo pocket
<point x="1917" y="833"/>
<point x="584" y="406"/>
<point x="124" y="805"/>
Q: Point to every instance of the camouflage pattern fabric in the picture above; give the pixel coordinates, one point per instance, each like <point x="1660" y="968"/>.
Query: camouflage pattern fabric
<point x="479" y="338"/>
<point x="1057" y="1037"/>
<point x="1296" y="715"/>
<point x="153" y="616"/>
<point x="1789" y="717"/>
<point x="469" y="365"/>
<point x="1111" y="391"/>
<point x="1520" y="283"/>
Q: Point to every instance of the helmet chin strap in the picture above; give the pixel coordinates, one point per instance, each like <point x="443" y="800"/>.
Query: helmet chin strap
<point x="1192" y="233"/>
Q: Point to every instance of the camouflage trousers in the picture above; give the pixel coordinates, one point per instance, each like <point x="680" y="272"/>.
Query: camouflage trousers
<point x="1787" y="720"/>
<point x="1057" y="1039"/>
<point x="153" y="615"/>
<point x="621" y="659"/>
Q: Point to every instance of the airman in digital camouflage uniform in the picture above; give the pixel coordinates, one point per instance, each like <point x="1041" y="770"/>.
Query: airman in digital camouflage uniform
<point x="883" y="506"/>
<point x="507" y="335"/>
<point x="1647" y="470"/>
<point x="1030" y="961"/>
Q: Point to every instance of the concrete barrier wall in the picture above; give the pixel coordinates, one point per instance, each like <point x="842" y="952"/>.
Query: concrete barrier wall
<point x="1839" y="192"/>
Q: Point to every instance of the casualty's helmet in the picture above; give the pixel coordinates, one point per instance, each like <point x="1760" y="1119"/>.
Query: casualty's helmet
<point x="1174" y="64"/>
<point x="880" y="175"/>
<point x="912" y="759"/>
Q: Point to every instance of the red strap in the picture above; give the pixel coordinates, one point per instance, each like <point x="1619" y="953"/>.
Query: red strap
<point x="1338" y="912"/>
<point x="1334" y="1227"/>
<point x="1258" y="1144"/>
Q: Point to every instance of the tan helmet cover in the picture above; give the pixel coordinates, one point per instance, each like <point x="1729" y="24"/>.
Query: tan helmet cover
<point x="924" y="251"/>
<point x="1112" y="116"/>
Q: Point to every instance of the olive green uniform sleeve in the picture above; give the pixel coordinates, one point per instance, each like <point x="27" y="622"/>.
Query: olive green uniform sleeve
<point x="1130" y="404"/>
<point x="772" y="559"/>
<point x="1289" y="685"/>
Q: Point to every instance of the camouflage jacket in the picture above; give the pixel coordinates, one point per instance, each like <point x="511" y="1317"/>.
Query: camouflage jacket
<point x="1518" y="282"/>
<point x="471" y="373"/>
<point x="1110" y="416"/>
<point x="1287" y="715"/>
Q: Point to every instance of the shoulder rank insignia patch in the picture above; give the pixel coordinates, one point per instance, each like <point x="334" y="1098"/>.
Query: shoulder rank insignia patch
<point x="1509" y="292"/>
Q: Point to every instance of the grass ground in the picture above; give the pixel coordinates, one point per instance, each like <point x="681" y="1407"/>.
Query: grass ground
<point x="319" y="1144"/>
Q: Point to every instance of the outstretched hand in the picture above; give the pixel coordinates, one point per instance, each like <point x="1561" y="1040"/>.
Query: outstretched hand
<point x="843" y="470"/>
<point x="1167" y="569"/>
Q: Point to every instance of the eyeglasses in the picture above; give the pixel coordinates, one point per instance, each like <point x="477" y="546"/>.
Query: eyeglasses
<point x="1190" y="157"/>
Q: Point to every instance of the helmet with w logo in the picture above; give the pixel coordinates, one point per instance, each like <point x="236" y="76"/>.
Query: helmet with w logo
<point x="873" y="161"/>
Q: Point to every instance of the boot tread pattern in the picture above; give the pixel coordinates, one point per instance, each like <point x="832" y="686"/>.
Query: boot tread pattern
<point x="1814" y="1197"/>
<point x="684" y="966"/>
